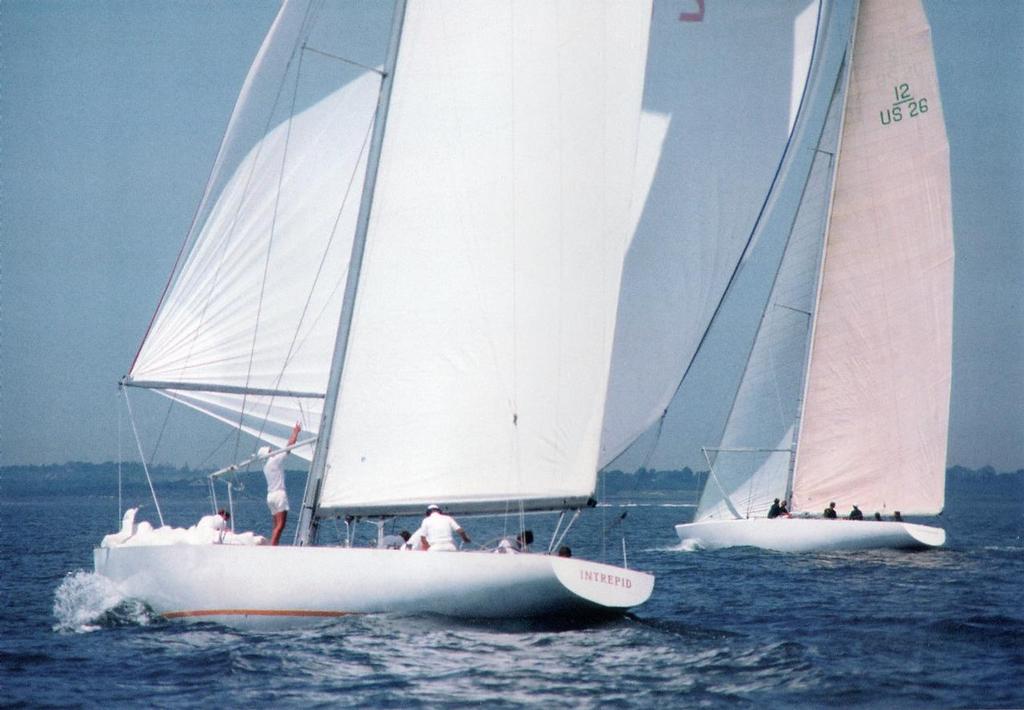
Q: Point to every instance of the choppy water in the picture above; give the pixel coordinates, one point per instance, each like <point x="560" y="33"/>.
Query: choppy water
<point x="737" y="627"/>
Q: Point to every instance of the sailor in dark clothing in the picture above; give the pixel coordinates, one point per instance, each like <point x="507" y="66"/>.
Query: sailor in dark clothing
<point x="830" y="511"/>
<point x="855" y="514"/>
<point x="773" y="512"/>
<point x="878" y="516"/>
<point x="897" y="517"/>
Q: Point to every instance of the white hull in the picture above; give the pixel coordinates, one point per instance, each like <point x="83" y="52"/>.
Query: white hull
<point x="282" y="586"/>
<point x="810" y="534"/>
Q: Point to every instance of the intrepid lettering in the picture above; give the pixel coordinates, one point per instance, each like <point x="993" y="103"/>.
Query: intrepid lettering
<point x="612" y="580"/>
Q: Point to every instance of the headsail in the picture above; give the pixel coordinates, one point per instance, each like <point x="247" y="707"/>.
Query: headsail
<point x="752" y="464"/>
<point x="729" y="113"/>
<point x="246" y="330"/>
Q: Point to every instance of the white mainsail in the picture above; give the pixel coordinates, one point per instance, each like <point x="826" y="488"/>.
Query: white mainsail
<point x="876" y="412"/>
<point x="729" y="113"/>
<point x="478" y="360"/>
<point x="875" y="397"/>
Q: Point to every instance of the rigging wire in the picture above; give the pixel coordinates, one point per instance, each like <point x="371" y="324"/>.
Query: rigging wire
<point x="316" y="279"/>
<point x="322" y="53"/>
<point x="190" y="239"/>
<point x="120" y="478"/>
<point x="270" y="247"/>
<point x="160" y="433"/>
<point x="145" y="467"/>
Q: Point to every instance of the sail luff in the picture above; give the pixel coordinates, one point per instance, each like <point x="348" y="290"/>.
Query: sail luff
<point x="307" y="525"/>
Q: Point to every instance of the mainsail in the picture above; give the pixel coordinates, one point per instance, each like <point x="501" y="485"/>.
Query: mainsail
<point x="872" y="408"/>
<point x="876" y="412"/>
<point x="479" y="353"/>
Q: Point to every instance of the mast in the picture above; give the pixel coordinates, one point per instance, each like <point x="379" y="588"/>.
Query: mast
<point x="307" y="524"/>
<point x="795" y="447"/>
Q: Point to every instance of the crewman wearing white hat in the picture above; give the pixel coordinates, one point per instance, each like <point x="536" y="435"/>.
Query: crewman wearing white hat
<point x="436" y="532"/>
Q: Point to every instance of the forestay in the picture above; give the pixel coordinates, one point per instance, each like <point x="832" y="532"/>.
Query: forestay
<point x="479" y="352"/>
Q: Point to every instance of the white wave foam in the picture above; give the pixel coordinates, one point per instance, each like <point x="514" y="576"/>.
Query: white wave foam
<point x="86" y="602"/>
<point x="689" y="545"/>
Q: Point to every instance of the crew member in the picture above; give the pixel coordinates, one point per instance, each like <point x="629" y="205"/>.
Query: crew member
<point x="436" y="532"/>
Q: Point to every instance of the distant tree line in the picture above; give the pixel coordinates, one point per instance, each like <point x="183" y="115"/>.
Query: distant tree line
<point x="73" y="475"/>
<point x="647" y="480"/>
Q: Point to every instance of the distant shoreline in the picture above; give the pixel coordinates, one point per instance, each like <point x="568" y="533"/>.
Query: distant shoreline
<point x="683" y="484"/>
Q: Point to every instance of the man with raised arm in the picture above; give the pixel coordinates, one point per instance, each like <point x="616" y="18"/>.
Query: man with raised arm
<point x="277" y="497"/>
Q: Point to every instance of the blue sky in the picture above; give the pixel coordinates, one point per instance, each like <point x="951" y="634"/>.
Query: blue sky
<point x="112" y="113"/>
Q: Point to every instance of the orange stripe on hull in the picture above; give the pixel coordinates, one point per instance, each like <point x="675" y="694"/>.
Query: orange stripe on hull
<point x="253" y="612"/>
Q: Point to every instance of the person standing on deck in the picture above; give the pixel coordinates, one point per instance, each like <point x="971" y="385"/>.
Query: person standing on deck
<point x="435" y="532"/>
<point x="277" y="497"/>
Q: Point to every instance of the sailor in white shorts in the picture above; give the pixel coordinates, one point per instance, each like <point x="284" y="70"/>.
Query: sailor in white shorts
<point x="277" y="497"/>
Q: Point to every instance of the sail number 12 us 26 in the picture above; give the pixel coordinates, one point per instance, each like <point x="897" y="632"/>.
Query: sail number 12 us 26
<point x="905" y="106"/>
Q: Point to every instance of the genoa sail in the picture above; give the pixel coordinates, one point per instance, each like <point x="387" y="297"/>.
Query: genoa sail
<point x="727" y="115"/>
<point x="752" y="464"/>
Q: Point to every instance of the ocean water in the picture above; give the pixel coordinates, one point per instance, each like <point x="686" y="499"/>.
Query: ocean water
<point x="739" y="627"/>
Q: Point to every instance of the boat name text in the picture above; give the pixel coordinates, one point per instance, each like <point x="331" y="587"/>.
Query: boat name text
<point x="612" y="580"/>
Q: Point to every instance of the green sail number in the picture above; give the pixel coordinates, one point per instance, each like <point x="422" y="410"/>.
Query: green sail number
<point x="905" y="106"/>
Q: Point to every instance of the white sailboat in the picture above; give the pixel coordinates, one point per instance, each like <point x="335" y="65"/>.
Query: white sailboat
<point x="418" y="257"/>
<point x="845" y="397"/>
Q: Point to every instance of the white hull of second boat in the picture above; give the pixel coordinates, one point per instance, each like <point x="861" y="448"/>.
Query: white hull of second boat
<point x="260" y="586"/>
<point x="810" y="535"/>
